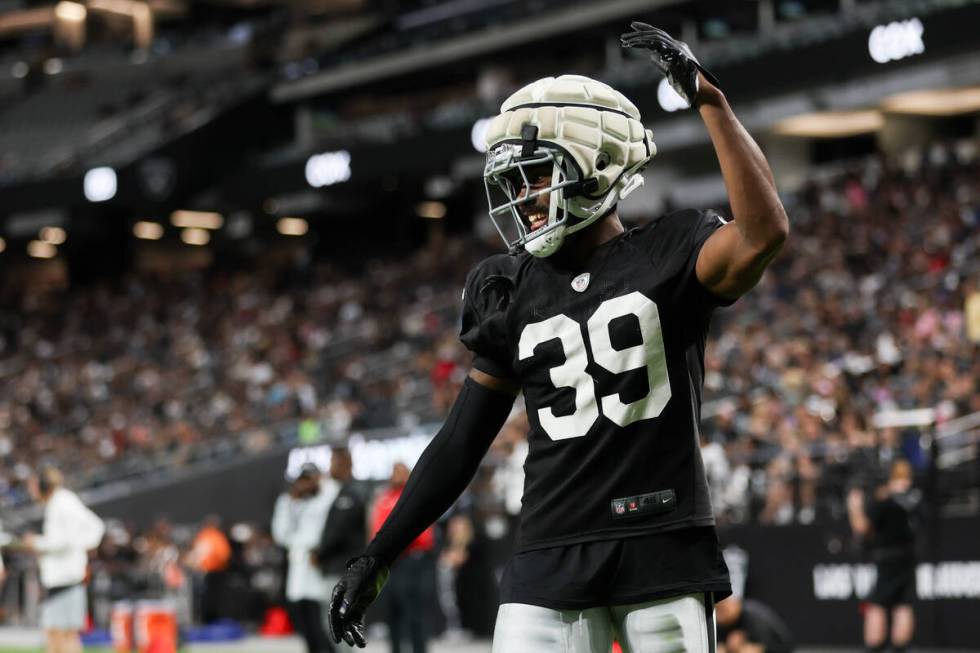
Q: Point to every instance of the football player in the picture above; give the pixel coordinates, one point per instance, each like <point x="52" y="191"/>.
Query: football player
<point x="603" y="330"/>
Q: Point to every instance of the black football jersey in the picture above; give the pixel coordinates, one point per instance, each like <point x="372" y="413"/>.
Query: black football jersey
<point x="611" y="360"/>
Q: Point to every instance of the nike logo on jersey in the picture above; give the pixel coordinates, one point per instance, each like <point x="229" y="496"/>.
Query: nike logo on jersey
<point x="581" y="282"/>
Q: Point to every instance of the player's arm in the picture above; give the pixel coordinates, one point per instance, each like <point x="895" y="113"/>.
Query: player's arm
<point x="734" y="257"/>
<point x="443" y="471"/>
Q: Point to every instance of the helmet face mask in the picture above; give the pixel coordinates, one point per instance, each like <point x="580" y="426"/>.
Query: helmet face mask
<point x="511" y="183"/>
<point x="593" y="149"/>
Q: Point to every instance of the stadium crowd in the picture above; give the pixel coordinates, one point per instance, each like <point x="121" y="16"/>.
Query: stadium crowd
<point x="862" y="312"/>
<point x="144" y="368"/>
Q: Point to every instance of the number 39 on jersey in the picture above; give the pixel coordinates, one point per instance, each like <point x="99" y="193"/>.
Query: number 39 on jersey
<point x="577" y="341"/>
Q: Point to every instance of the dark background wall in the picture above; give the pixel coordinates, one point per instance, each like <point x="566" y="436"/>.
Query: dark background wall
<point x="244" y="491"/>
<point x="781" y="562"/>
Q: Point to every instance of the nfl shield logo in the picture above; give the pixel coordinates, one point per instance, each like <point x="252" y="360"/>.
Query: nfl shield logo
<point x="619" y="507"/>
<point x="581" y="282"/>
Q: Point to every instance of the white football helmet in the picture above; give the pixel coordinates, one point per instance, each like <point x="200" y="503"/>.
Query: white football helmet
<point x="585" y="134"/>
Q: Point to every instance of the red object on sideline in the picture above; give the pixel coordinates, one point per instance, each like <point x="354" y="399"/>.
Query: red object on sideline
<point x="155" y="628"/>
<point x="617" y="648"/>
<point x="276" y="623"/>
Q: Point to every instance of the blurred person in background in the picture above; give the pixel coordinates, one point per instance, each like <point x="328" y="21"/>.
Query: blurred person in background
<point x="887" y="525"/>
<point x="748" y="626"/>
<point x="161" y="563"/>
<point x="411" y="588"/>
<point x="70" y="531"/>
<point x="297" y="525"/>
<point x="210" y="556"/>
<point x="5" y="540"/>
<point x="345" y="528"/>
<point x="468" y="586"/>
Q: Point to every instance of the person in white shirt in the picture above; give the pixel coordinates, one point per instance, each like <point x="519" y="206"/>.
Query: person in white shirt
<point x="297" y="524"/>
<point x="70" y="531"/>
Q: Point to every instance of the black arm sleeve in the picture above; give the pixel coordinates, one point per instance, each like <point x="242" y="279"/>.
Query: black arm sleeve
<point x="447" y="465"/>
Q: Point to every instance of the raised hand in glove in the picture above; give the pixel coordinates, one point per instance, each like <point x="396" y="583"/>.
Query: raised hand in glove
<point x="674" y="58"/>
<point x="356" y="590"/>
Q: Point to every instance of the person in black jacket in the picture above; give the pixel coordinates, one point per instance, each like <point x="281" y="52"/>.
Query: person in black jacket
<point x="345" y="530"/>
<point x="887" y="525"/>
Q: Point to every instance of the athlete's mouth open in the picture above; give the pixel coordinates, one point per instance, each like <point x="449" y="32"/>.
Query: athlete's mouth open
<point x="535" y="219"/>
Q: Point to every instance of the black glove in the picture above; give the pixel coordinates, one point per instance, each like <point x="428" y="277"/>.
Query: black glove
<point x="674" y="59"/>
<point x="357" y="589"/>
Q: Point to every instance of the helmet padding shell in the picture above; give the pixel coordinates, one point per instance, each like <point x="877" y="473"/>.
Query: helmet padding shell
<point x="594" y="123"/>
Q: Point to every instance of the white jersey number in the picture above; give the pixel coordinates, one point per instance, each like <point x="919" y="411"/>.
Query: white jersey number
<point x="572" y="373"/>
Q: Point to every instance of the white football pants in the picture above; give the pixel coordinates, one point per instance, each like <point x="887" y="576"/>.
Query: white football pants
<point x="682" y="624"/>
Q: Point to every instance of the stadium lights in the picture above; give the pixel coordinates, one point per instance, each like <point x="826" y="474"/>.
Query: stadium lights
<point x="944" y="102"/>
<point x="669" y="99"/>
<point x="896" y="40"/>
<point x="195" y="236"/>
<point x="197" y="219"/>
<point x="20" y="70"/>
<point x="53" y="235"/>
<point x="142" y="25"/>
<point x="146" y="230"/>
<point x="100" y="184"/>
<point x="478" y="134"/>
<point x="121" y="7"/>
<point x="328" y="168"/>
<point x="53" y="66"/>
<point x="431" y="210"/>
<point x="70" y="11"/>
<point x="831" y="124"/>
<point x="41" y="249"/>
<point x="292" y="226"/>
